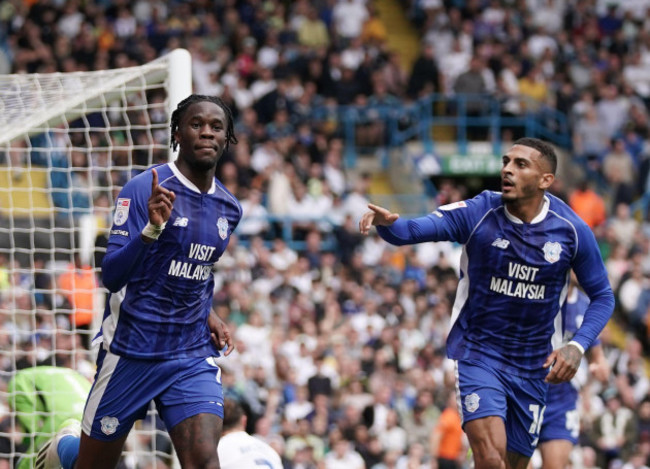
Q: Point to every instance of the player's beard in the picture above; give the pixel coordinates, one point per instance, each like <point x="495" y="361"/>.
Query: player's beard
<point x="518" y="196"/>
<point x="198" y="165"/>
<point x="203" y="165"/>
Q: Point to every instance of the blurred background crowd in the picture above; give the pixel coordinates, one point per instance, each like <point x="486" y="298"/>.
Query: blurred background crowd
<point x="340" y="357"/>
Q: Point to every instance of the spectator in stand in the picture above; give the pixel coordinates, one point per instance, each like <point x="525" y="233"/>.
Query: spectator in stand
<point x="312" y="32"/>
<point x="612" y="109"/>
<point x="614" y="431"/>
<point x="254" y="216"/>
<point x="632" y="286"/>
<point x="631" y="377"/>
<point x="343" y="456"/>
<point x="588" y="204"/>
<point x="472" y="83"/>
<point x="620" y="173"/>
<point x="508" y="87"/>
<point x="78" y="284"/>
<point x="374" y="33"/>
<point x="451" y="65"/>
<point x="348" y="18"/>
<point x="534" y="89"/>
<point x="447" y="440"/>
<point x="623" y="225"/>
<point x="590" y="141"/>
<point x="395" y="75"/>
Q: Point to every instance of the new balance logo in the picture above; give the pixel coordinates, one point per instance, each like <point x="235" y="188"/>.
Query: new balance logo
<point x="501" y="243"/>
<point x="180" y="221"/>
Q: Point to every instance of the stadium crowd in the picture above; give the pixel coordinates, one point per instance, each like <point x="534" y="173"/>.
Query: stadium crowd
<point x="340" y="343"/>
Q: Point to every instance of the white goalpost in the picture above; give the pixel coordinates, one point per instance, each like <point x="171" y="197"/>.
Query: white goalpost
<point x="68" y="143"/>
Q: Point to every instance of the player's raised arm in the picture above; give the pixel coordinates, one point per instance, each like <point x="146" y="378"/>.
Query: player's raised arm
<point x="160" y="205"/>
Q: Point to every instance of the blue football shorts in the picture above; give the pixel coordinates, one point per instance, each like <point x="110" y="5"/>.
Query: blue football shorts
<point x="124" y="388"/>
<point x="561" y="418"/>
<point x="486" y="392"/>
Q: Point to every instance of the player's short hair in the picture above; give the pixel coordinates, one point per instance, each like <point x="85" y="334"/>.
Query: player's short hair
<point x="232" y="413"/>
<point x="177" y="115"/>
<point x="546" y="149"/>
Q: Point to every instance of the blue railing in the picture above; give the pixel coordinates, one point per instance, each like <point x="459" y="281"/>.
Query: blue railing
<point x="418" y="121"/>
<point x="283" y="226"/>
<point x="403" y="122"/>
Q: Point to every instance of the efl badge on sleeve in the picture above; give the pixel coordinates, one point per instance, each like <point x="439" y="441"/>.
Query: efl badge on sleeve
<point x="453" y="205"/>
<point x="121" y="211"/>
<point x="222" y="224"/>
<point x="552" y="251"/>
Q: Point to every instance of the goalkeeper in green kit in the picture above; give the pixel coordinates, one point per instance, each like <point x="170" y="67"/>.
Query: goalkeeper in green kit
<point x="43" y="398"/>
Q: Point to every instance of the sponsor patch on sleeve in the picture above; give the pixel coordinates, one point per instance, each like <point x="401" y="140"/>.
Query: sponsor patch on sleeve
<point x="453" y="205"/>
<point x="121" y="211"/>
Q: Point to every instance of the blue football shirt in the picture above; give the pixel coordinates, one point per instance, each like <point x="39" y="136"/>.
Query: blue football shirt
<point x="161" y="293"/>
<point x="561" y="418"/>
<point x="514" y="278"/>
<point x="566" y="394"/>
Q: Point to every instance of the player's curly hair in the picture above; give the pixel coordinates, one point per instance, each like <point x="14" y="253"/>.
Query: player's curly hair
<point x="197" y="98"/>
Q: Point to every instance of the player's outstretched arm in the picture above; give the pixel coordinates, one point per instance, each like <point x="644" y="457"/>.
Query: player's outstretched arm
<point x="376" y="216"/>
<point x="565" y="362"/>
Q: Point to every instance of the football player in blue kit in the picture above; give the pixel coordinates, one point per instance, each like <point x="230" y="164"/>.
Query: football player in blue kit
<point x="519" y="246"/>
<point x="561" y="424"/>
<point x="159" y="338"/>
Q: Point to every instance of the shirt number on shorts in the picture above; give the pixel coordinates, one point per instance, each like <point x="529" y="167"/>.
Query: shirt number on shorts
<point x="538" y="418"/>
<point x="573" y="422"/>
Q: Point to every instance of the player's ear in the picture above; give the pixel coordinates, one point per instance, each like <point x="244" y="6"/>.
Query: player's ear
<point x="546" y="180"/>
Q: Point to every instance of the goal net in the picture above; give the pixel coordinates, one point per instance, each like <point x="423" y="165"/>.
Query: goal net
<point x="68" y="143"/>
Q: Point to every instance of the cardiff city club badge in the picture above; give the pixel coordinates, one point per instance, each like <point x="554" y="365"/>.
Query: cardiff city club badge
<point x="222" y="224"/>
<point x="471" y="402"/>
<point x="552" y="251"/>
<point x="109" y="424"/>
<point x="121" y="211"/>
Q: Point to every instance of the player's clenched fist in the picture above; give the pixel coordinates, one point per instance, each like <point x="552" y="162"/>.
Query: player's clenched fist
<point x="160" y="203"/>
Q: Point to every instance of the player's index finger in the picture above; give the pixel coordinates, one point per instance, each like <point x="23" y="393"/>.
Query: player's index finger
<point x="154" y="180"/>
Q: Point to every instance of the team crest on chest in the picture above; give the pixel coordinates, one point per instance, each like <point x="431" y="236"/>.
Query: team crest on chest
<point x="222" y="224"/>
<point x="552" y="251"/>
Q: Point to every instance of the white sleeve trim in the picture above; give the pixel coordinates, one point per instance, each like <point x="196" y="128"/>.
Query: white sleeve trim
<point x="578" y="346"/>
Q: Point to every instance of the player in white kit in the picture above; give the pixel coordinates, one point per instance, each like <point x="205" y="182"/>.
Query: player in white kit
<point x="237" y="449"/>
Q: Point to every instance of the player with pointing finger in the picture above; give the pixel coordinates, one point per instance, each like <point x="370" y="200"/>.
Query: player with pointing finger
<point x="159" y="338"/>
<point x="519" y="246"/>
